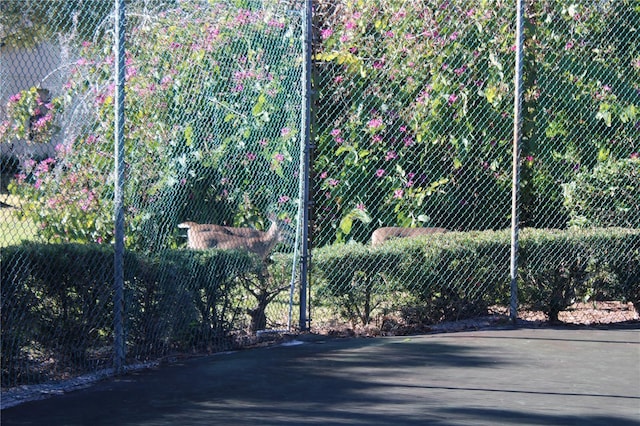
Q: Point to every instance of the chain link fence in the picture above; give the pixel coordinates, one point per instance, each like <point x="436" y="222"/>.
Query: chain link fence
<point x="414" y="127"/>
<point x="413" y="133"/>
<point x="211" y="158"/>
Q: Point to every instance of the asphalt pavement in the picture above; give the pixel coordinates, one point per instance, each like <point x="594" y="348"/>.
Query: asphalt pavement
<point x="537" y="376"/>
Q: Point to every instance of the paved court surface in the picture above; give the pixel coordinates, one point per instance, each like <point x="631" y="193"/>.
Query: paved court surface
<point x="492" y="377"/>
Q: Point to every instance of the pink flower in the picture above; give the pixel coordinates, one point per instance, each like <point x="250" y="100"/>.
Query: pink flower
<point x="338" y="79"/>
<point x="323" y="175"/>
<point x="361" y="206"/>
<point x="335" y="132"/>
<point x="283" y="199"/>
<point x="279" y="157"/>
<point x="15" y="98"/>
<point x="375" y="123"/>
<point x="390" y="155"/>
<point x="398" y="193"/>
<point x="285" y="131"/>
<point x="333" y="182"/>
<point x="251" y="156"/>
<point x="263" y="142"/>
<point x="380" y="173"/>
<point x="408" y="141"/>
<point x="635" y="156"/>
<point x="377" y="138"/>
<point x="460" y="71"/>
<point x="326" y="33"/>
<point x="452" y="98"/>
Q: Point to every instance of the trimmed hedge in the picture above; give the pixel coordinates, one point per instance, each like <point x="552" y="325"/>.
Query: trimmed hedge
<point x="57" y="305"/>
<point x="460" y="275"/>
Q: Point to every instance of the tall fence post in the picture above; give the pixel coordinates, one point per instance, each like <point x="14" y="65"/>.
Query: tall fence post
<point x="118" y="281"/>
<point x="517" y="138"/>
<point x="306" y="141"/>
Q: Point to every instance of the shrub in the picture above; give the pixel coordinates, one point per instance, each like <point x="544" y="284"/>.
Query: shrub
<point x="211" y="133"/>
<point x="559" y="268"/>
<point x="60" y="309"/>
<point x="415" y="110"/>
<point x="609" y="195"/>
<point x="460" y="275"/>
<point x="57" y="316"/>
<point x="435" y="277"/>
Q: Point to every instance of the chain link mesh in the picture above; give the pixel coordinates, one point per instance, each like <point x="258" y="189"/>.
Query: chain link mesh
<point x="412" y="127"/>
<point x="414" y="130"/>
<point x="211" y="135"/>
<point x="56" y="292"/>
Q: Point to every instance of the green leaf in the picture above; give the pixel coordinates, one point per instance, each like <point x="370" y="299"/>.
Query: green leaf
<point x="605" y="114"/>
<point x="345" y="225"/>
<point x="188" y="135"/>
<point x="259" y="106"/>
<point x="604" y="154"/>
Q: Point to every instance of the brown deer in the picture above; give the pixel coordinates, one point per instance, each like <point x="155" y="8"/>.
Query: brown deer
<point x="381" y="235"/>
<point x="204" y="236"/>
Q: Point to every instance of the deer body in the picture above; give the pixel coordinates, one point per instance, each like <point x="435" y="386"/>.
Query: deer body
<point x="381" y="235"/>
<point x="204" y="236"/>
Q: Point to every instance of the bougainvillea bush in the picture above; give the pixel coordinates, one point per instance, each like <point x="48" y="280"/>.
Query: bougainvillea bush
<point x="415" y="109"/>
<point x="413" y="116"/>
<point x="211" y="129"/>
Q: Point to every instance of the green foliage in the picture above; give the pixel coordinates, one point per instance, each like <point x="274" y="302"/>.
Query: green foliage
<point x="415" y="109"/>
<point x="411" y="118"/>
<point x="454" y="276"/>
<point x="582" y="81"/>
<point x="351" y="280"/>
<point x="435" y="277"/>
<point x="31" y="117"/>
<point x="59" y="315"/>
<point x="609" y="195"/>
<point x="58" y="309"/>
<point x="211" y="131"/>
<point x="559" y="268"/>
<point x="203" y="289"/>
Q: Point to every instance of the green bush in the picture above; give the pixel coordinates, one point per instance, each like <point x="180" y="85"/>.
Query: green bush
<point x="57" y="305"/>
<point x="415" y="109"/>
<point x="460" y="275"/>
<point x="211" y="132"/>
<point x="607" y="196"/>
<point x="431" y="278"/>
<point x="559" y="268"/>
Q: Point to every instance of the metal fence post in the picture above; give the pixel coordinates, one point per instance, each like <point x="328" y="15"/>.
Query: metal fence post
<point x="517" y="137"/>
<point x="118" y="303"/>
<point x="306" y="131"/>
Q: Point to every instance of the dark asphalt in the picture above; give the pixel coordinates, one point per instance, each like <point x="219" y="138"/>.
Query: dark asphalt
<point x="493" y="377"/>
